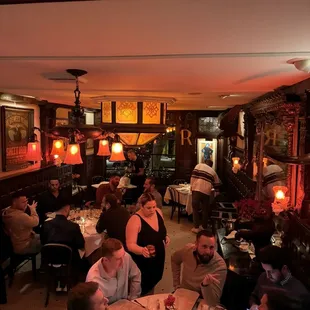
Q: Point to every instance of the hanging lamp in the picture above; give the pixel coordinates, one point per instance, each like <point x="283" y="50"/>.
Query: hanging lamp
<point x="73" y="155"/>
<point x="104" y="149"/>
<point x="117" y="153"/>
<point x="58" y="148"/>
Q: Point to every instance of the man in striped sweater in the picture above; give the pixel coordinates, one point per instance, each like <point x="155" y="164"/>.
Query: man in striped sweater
<point x="203" y="180"/>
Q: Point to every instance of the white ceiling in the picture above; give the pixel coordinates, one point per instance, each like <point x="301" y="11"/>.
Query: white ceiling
<point x="166" y="48"/>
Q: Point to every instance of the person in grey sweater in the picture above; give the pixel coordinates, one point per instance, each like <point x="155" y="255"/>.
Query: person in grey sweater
<point x="204" y="270"/>
<point x="276" y="276"/>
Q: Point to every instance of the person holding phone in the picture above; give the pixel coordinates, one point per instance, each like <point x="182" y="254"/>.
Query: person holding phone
<point x="19" y="225"/>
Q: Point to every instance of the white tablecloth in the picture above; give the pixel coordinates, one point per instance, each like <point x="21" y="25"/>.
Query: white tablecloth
<point x="130" y="186"/>
<point x="186" y="299"/>
<point x="185" y="196"/>
<point x="93" y="240"/>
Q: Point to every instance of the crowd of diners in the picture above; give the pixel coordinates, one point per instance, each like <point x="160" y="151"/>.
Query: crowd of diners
<point x="131" y="259"/>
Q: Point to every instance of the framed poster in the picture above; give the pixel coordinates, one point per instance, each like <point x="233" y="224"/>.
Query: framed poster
<point x="16" y="127"/>
<point x="206" y="149"/>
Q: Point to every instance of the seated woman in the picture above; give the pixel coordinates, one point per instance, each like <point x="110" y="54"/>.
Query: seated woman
<point x="146" y="238"/>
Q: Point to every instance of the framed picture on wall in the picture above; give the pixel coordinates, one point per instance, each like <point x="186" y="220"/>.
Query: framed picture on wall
<point x="207" y="149"/>
<point x="16" y="127"/>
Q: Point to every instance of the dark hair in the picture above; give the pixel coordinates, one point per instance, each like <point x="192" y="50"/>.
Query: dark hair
<point x="206" y="233"/>
<point x="131" y="151"/>
<point x="18" y="194"/>
<point x="282" y="299"/>
<point x="109" y="246"/>
<point x="209" y="162"/>
<point x="145" y="198"/>
<point x="54" y="178"/>
<point x="79" y="296"/>
<point x="152" y="180"/>
<point x="274" y="256"/>
<point x="62" y="203"/>
<point x="113" y="175"/>
<point x="111" y="199"/>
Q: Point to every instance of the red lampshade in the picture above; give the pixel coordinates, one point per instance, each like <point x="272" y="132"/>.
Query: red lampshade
<point x="117" y="152"/>
<point x="33" y="151"/>
<point x="58" y="148"/>
<point x="73" y="155"/>
<point x="104" y="149"/>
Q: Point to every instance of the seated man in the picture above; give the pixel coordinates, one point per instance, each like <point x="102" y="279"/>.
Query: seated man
<point x="60" y="230"/>
<point x="280" y="299"/>
<point x="276" y="275"/>
<point x="50" y="200"/>
<point x="19" y="225"/>
<point x="150" y="187"/>
<point x="110" y="188"/>
<point x="86" y="296"/>
<point x="113" y="219"/>
<point x="204" y="270"/>
<point x="116" y="273"/>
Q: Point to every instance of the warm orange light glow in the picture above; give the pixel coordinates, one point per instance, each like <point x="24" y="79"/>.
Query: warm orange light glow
<point x="33" y="151"/>
<point x="117" y="152"/>
<point x="280" y="195"/>
<point x="235" y="160"/>
<point x="58" y="148"/>
<point x="56" y="156"/>
<point x="104" y="149"/>
<point x="73" y="155"/>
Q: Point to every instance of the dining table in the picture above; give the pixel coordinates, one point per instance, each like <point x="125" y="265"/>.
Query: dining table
<point x="87" y="220"/>
<point x="183" y="196"/>
<point x="185" y="300"/>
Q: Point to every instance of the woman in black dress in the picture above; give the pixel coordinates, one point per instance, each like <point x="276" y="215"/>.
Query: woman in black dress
<point x="146" y="239"/>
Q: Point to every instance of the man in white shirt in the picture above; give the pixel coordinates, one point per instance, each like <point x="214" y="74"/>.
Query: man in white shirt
<point x="203" y="180"/>
<point x="116" y="273"/>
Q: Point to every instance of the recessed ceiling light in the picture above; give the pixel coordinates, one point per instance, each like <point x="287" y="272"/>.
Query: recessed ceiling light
<point x="300" y="64"/>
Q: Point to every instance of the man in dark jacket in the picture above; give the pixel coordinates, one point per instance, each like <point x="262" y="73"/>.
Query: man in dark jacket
<point x="113" y="219"/>
<point x="50" y="200"/>
<point x="276" y="276"/>
<point x="60" y="230"/>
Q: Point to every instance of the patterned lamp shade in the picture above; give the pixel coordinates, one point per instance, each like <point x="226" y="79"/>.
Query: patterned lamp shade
<point x="73" y="155"/>
<point x="33" y="151"/>
<point x="104" y="149"/>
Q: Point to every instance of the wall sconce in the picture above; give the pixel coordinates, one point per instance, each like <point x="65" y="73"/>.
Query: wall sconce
<point x="236" y="166"/>
<point x="104" y="149"/>
<point x="73" y="155"/>
<point x="280" y="200"/>
<point x="117" y="150"/>
<point x="33" y="148"/>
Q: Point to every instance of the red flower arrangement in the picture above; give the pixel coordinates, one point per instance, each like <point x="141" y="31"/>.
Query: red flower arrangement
<point x="169" y="302"/>
<point x="248" y="209"/>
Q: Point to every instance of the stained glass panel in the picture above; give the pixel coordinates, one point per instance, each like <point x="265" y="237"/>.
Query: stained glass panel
<point x="151" y="113"/>
<point x="145" y="138"/>
<point x="106" y="112"/>
<point x="126" y="112"/>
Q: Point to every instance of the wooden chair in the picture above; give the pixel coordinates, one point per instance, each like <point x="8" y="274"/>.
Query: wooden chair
<point x="56" y="261"/>
<point x="175" y="198"/>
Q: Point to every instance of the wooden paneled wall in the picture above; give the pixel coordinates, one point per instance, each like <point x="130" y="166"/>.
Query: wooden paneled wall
<point x="34" y="183"/>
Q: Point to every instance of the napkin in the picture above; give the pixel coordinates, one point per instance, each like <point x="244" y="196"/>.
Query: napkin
<point x="231" y="235"/>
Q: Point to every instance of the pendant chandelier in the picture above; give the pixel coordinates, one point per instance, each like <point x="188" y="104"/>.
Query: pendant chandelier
<point x="77" y="132"/>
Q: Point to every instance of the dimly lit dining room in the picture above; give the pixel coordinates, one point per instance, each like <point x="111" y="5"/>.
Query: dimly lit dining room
<point x="155" y="155"/>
